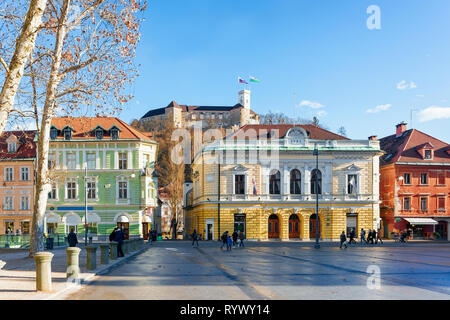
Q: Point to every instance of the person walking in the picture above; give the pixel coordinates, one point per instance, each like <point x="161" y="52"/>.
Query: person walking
<point x="224" y="239"/>
<point x="363" y="235"/>
<point x="241" y="237"/>
<point x="379" y="236"/>
<point x="352" y="235"/>
<point x="119" y="239"/>
<point x="343" y="240"/>
<point x="229" y="243"/>
<point x="374" y="236"/>
<point x="72" y="238"/>
<point x="195" y="237"/>
<point x="235" y="237"/>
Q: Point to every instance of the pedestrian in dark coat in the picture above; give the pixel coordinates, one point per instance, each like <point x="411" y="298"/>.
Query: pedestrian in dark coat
<point x="72" y="238"/>
<point x="224" y="239"/>
<point x="241" y="237"/>
<point x="235" y="237"/>
<point x="374" y="236"/>
<point x="343" y="240"/>
<point x="379" y="237"/>
<point x="119" y="239"/>
<point x="195" y="237"/>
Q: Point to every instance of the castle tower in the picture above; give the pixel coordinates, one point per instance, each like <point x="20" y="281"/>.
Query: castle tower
<point x="244" y="98"/>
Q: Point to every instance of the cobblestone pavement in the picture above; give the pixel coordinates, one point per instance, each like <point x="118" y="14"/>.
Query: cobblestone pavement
<point x="277" y="270"/>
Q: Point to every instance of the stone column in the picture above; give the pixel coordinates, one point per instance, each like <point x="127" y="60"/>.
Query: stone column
<point x="126" y="246"/>
<point x="104" y="253"/>
<point x="113" y="250"/>
<point x="43" y="271"/>
<point x="73" y="266"/>
<point x="91" y="257"/>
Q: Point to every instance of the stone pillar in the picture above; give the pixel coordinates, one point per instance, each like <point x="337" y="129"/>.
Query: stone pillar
<point x="126" y="246"/>
<point x="73" y="266"/>
<point x="104" y="253"/>
<point x="91" y="257"/>
<point x="43" y="271"/>
<point x="113" y="250"/>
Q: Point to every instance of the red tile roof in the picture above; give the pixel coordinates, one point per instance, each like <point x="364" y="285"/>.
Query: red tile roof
<point x="313" y="131"/>
<point x="25" y="144"/>
<point x="404" y="148"/>
<point x="84" y="126"/>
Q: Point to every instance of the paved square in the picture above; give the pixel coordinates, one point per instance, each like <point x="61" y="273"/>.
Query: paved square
<point x="277" y="270"/>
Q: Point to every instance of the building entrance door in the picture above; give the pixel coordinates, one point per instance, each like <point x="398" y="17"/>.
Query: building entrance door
<point x="294" y="229"/>
<point x="313" y="227"/>
<point x="274" y="227"/>
<point x="209" y="229"/>
<point x="145" y="229"/>
<point x="239" y="223"/>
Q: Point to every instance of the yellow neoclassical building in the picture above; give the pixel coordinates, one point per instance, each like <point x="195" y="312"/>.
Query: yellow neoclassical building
<point x="262" y="179"/>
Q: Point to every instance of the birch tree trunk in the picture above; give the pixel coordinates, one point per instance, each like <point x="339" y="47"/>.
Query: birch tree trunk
<point x="43" y="186"/>
<point x="24" y="46"/>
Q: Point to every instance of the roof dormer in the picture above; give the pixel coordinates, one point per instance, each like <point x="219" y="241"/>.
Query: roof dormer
<point x="12" y="142"/>
<point x="99" y="132"/>
<point x="67" y="132"/>
<point x="114" y="132"/>
<point x="426" y="151"/>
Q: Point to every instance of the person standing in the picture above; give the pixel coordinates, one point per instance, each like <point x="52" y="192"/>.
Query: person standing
<point x="363" y="235"/>
<point x="72" y="238"/>
<point x="343" y="240"/>
<point x="379" y="237"/>
<point x="224" y="239"/>
<point x="352" y="235"/>
<point x="374" y="236"/>
<point x="242" y="237"/>
<point x="119" y="239"/>
<point x="195" y="237"/>
<point x="235" y="237"/>
<point x="229" y="243"/>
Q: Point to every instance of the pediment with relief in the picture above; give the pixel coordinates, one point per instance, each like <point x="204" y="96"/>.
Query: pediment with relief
<point x="353" y="167"/>
<point x="240" y="168"/>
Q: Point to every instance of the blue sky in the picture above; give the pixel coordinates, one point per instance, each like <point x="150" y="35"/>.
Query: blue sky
<point x="320" y="51"/>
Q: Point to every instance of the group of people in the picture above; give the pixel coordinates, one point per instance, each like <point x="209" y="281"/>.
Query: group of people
<point x="232" y="241"/>
<point x="372" y="237"/>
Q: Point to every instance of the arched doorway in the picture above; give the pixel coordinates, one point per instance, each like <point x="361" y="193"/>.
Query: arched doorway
<point x="313" y="226"/>
<point x="294" y="226"/>
<point x="124" y="224"/>
<point x="274" y="227"/>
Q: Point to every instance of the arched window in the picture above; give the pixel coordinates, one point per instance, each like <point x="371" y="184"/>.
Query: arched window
<point x="274" y="182"/>
<point x="296" y="180"/>
<point x="313" y="181"/>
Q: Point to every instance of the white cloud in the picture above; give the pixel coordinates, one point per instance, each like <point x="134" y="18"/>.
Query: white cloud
<point x="321" y="113"/>
<point x="311" y="104"/>
<point x="382" y="107"/>
<point x="403" y="85"/>
<point x="433" y="113"/>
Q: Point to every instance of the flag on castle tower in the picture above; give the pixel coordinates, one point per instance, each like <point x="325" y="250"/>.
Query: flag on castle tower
<point x="253" y="79"/>
<point x="242" y="80"/>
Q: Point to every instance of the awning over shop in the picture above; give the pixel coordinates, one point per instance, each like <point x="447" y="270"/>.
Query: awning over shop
<point x="421" y="221"/>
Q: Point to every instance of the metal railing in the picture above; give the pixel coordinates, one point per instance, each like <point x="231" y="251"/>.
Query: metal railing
<point x="23" y="241"/>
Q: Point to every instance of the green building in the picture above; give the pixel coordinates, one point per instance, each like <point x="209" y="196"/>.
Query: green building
<point x="108" y="163"/>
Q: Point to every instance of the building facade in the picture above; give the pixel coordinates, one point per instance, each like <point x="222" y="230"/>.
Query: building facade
<point x="262" y="181"/>
<point x="17" y="157"/>
<point x="108" y="163"/>
<point x="217" y="116"/>
<point x="415" y="184"/>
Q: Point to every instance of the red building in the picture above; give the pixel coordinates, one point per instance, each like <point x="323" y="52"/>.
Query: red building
<point x="415" y="184"/>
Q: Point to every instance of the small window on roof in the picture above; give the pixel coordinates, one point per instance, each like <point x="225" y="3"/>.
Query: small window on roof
<point x="12" y="147"/>
<point x="53" y="133"/>
<point x="67" y="134"/>
<point x="428" y="154"/>
<point x="99" y="133"/>
<point x="114" y="134"/>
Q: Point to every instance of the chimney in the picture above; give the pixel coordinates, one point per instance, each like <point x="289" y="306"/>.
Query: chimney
<point x="401" y="127"/>
<point x="373" y="138"/>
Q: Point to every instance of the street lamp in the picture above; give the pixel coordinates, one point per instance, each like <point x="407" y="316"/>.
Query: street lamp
<point x="316" y="153"/>
<point x="85" y="208"/>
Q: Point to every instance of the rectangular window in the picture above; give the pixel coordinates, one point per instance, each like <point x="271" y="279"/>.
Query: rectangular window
<point x="9" y="203"/>
<point x="11" y="147"/>
<point x="123" y="190"/>
<point x="427" y="154"/>
<point x="91" y="190"/>
<point x="239" y="184"/>
<point x="407" y="178"/>
<point x="423" y="204"/>
<point x="90" y="159"/>
<point x="441" y="178"/>
<point x="71" y="189"/>
<point x="9" y="174"/>
<point x="406" y="203"/>
<point x="25" y="227"/>
<point x="24" y="203"/>
<point x="24" y="174"/>
<point x="53" y="193"/>
<point x="352" y="184"/>
<point x="51" y="161"/>
<point x="441" y="204"/>
<point x="123" y="161"/>
<point x="423" y="178"/>
<point x="71" y="160"/>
